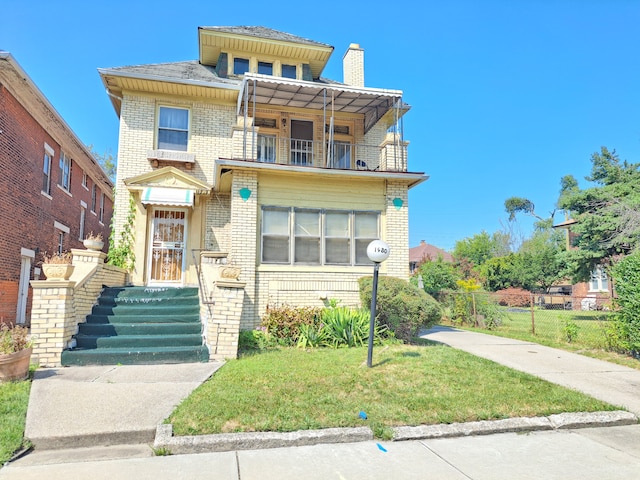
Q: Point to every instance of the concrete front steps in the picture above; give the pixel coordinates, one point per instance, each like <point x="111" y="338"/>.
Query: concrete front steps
<point x="140" y="325"/>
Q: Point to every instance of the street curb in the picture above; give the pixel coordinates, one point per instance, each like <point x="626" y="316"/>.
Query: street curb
<point x="262" y="440"/>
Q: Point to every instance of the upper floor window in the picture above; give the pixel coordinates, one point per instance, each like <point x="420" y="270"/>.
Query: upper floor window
<point x="173" y="128"/>
<point x="289" y="71"/>
<point x="240" y="66"/>
<point x="101" y="215"/>
<point x="65" y="171"/>
<point x="265" y="68"/>
<point x="93" y="197"/>
<point x="266" y="148"/>
<point x="599" y="281"/>
<point x="46" y="169"/>
<point x="84" y="179"/>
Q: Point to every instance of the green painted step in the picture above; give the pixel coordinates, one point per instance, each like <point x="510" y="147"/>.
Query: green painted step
<point x="140" y="325"/>
<point x="137" y="356"/>
<point x="107" y="329"/>
<point x="129" y="341"/>
<point x="146" y="309"/>
<point x="159" y="317"/>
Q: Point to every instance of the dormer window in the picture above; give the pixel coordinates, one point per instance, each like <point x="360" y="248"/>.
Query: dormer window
<point x="240" y="66"/>
<point x="289" y="71"/>
<point x="265" y="68"/>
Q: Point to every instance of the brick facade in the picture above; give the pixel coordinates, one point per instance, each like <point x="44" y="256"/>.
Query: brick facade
<point x="31" y="218"/>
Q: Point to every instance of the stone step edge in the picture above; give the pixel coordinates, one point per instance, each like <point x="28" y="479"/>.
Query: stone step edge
<point x="224" y="442"/>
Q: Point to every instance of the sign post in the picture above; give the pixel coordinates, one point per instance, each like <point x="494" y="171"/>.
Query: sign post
<point x="377" y="251"/>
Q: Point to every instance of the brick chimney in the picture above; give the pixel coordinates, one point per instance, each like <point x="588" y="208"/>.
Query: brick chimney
<point x="353" y="66"/>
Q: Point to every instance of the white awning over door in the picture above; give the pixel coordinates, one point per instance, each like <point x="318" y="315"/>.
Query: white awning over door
<point x="177" y="197"/>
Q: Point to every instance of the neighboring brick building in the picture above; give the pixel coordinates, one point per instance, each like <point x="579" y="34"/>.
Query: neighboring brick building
<point x="249" y="152"/>
<point x="52" y="190"/>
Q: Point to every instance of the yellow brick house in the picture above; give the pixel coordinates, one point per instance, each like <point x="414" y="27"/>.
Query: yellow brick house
<point x="249" y="158"/>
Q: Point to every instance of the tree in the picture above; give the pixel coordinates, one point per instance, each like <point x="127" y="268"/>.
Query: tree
<point x="106" y="161"/>
<point x="438" y="275"/>
<point x="479" y="248"/>
<point x="607" y="214"/>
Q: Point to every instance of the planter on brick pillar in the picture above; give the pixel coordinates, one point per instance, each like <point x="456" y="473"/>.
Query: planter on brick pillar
<point x="52" y="320"/>
<point x="223" y="329"/>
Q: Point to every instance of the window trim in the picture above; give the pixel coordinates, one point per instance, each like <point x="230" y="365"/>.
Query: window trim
<point x="598" y="277"/>
<point x="47" y="163"/>
<point x="291" y="237"/>
<point x="65" y="171"/>
<point x="187" y="130"/>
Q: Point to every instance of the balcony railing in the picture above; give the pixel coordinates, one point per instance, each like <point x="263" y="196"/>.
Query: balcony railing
<point x="390" y="156"/>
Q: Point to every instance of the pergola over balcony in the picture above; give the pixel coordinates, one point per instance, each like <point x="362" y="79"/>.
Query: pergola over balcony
<point x="373" y="103"/>
<point x="375" y="106"/>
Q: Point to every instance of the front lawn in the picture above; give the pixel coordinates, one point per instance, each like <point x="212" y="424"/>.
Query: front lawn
<point x="295" y="389"/>
<point x="14" y="399"/>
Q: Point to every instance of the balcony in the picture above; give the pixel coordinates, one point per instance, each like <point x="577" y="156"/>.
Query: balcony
<point x="390" y="156"/>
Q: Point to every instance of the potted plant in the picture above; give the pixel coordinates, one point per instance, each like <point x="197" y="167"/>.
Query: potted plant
<point x="16" y="346"/>
<point x="93" y="242"/>
<point x="57" y="266"/>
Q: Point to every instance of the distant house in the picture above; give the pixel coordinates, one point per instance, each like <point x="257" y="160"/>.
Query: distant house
<point x="247" y="155"/>
<point x="598" y="290"/>
<point x="426" y="252"/>
<point x="52" y="192"/>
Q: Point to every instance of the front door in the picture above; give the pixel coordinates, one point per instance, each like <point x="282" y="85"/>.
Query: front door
<point x="167" y="246"/>
<point x="23" y="289"/>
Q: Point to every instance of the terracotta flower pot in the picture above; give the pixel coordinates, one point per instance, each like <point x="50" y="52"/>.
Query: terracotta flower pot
<point x="15" y="366"/>
<point x="57" y="271"/>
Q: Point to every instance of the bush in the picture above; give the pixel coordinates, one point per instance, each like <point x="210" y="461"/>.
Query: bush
<point x="514" y="297"/>
<point x="283" y="322"/>
<point x="403" y="308"/>
<point x="624" y="335"/>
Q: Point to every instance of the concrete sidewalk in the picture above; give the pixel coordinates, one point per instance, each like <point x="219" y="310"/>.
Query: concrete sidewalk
<point x="615" y="384"/>
<point x="586" y="454"/>
<point x="105" y="405"/>
<point x="73" y="411"/>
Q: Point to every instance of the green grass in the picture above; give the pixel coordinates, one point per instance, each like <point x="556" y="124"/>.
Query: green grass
<point x="14" y="399"/>
<point x="294" y="389"/>
<point x="590" y="339"/>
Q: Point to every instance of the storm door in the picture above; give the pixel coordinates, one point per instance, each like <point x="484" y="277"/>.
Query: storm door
<point x="167" y="246"/>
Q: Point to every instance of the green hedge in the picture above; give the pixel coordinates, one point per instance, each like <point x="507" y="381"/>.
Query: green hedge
<point x="403" y="308"/>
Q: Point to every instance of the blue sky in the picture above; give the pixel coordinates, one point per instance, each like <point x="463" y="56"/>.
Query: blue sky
<point x="507" y="96"/>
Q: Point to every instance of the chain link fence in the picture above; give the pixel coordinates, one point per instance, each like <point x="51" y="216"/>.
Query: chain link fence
<point x="582" y="321"/>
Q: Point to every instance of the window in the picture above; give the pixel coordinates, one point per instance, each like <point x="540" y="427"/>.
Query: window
<point x="60" y="242"/>
<point x="337" y="235"/>
<point x="46" y="169"/>
<point x="317" y="237"/>
<point x="265" y="68"/>
<point x="266" y="148"/>
<point x="365" y="231"/>
<point x="173" y="128"/>
<point x="307" y="236"/>
<point x="289" y="71"/>
<point x="65" y="171"/>
<point x="84" y="179"/>
<point x="101" y="215"/>
<point x="339" y="155"/>
<point x="275" y="235"/>
<point x="240" y="66"/>
<point x="599" y="281"/>
<point x="83" y="216"/>
<point x="93" y="198"/>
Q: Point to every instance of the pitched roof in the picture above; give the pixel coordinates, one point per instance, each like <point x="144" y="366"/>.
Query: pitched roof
<point x="266" y="33"/>
<point x="188" y="70"/>
<point x="425" y="251"/>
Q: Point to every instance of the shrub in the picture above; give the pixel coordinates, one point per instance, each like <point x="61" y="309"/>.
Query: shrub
<point x="283" y="322"/>
<point x="401" y="307"/>
<point x="624" y="335"/>
<point x="513" y="297"/>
